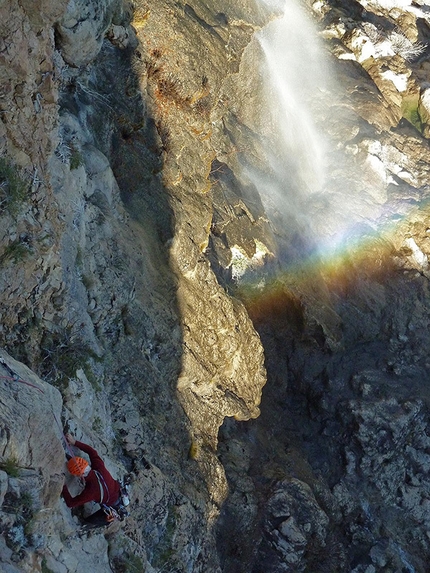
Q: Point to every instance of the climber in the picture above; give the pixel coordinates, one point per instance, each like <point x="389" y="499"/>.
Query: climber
<point x="100" y="486"/>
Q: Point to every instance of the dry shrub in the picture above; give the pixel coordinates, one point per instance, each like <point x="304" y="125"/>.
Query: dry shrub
<point x="203" y="106"/>
<point x="152" y="69"/>
<point x="170" y="87"/>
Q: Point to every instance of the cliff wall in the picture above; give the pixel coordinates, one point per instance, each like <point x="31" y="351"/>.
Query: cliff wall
<point x="333" y="470"/>
<point x="106" y="291"/>
<point x="127" y="226"/>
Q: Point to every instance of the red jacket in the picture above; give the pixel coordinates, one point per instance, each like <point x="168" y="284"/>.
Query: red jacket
<point x="92" y="487"/>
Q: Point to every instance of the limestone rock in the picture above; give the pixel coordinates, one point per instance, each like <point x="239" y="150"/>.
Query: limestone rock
<point x="31" y="452"/>
<point x="122" y="36"/>
<point x="82" y="29"/>
<point x="284" y="546"/>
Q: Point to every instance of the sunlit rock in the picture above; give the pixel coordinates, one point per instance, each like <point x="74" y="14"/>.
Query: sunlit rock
<point x="419" y="257"/>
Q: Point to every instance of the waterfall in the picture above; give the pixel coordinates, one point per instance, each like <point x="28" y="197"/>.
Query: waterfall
<point x="323" y="190"/>
<point x="294" y="74"/>
<point x="317" y="196"/>
<point x="295" y="70"/>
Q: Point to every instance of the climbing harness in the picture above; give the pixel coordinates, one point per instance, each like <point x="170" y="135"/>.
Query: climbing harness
<point x="119" y="509"/>
<point x="101" y="479"/>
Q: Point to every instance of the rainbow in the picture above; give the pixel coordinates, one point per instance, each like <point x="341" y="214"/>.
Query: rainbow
<point x="333" y="270"/>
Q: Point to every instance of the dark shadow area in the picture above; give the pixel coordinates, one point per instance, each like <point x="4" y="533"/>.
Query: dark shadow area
<point x="111" y="104"/>
<point x="320" y="409"/>
<point x="424" y="30"/>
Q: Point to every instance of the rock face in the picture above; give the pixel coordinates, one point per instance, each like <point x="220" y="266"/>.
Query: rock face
<point x="132" y="219"/>
<point x="107" y="292"/>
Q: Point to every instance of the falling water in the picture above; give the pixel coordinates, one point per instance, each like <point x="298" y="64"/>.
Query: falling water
<point x="295" y="77"/>
<point x="318" y="196"/>
<point x="296" y="71"/>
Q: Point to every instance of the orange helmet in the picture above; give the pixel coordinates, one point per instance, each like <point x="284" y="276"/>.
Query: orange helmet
<point x="77" y="466"/>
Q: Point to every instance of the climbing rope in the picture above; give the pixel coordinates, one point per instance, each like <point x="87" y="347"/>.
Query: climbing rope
<point x="66" y="444"/>
<point x="15" y="378"/>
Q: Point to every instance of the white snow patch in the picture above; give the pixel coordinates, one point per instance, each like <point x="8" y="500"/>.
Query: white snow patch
<point x="417" y="254"/>
<point x="386" y="4"/>
<point x="384" y="49"/>
<point x="347" y="56"/>
<point x="362" y="47"/>
<point x="367" y="44"/>
<point x="400" y="81"/>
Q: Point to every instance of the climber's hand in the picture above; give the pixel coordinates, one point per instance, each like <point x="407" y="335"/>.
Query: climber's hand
<point x="70" y="439"/>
